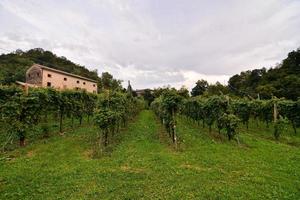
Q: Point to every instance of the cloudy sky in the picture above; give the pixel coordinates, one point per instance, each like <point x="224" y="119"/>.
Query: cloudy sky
<point x="156" y="42"/>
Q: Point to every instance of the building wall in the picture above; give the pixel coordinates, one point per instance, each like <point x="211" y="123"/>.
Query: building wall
<point x="57" y="80"/>
<point x="34" y="76"/>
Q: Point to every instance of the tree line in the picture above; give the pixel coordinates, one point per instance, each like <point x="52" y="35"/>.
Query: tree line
<point x="282" y="81"/>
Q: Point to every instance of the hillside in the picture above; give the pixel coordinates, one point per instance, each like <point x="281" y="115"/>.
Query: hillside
<point x="281" y="81"/>
<point x="14" y="65"/>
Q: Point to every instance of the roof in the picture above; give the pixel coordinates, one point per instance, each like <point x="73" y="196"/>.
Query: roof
<point x="26" y="84"/>
<point x="63" y="72"/>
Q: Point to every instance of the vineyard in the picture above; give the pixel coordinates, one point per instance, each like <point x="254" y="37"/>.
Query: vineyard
<point x="226" y="114"/>
<point x="23" y="111"/>
<point x="77" y="145"/>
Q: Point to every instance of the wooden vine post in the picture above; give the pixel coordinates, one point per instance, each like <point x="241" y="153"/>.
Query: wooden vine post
<point x="275" y="110"/>
<point x="174" y="128"/>
<point x="26" y="89"/>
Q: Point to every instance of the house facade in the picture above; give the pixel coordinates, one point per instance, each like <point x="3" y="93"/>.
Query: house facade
<point x="141" y="92"/>
<point x="42" y="76"/>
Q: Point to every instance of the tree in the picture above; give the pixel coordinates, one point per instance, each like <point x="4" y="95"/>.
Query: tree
<point x="148" y="96"/>
<point x="129" y="89"/>
<point x="184" y="92"/>
<point x="265" y="91"/>
<point x="107" y="82"/>
<point x="200" y="88"/>
<point x="289" y="87"/>
<point x="282" y="80"/>
<point x="217" y="89"/>
<point x="292" y="62"/>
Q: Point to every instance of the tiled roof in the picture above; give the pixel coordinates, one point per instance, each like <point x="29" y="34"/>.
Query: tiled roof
<point x="63" y="72"/>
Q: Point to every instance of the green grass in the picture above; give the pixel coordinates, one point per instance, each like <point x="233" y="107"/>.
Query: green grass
<point x="143" y="165"/>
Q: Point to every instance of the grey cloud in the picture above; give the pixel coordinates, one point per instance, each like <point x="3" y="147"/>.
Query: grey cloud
<point x="155" y="42"/>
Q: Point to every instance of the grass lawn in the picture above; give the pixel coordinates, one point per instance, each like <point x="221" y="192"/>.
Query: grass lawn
<point x="144" y="166"/>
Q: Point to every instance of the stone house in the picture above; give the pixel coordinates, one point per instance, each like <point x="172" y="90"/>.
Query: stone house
<point x="42" y="76"/>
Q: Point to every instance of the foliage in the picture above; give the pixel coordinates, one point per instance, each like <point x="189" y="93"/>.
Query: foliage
<point x="214" y="107"/>
<point x="242" y="108"/>
<point x="281" y="81"/>
<point x="279" y="127"/>
<point x="148" y="96"/>
<point x="200" y="88"/>
<point x="14" y="65"/>
<point x="114" y="109"/>
<point x="217" y="89"/>
<point x="107" y="82"/>
<point x="20" y="112"/>
<point x="166" y="107"/>
<point x="129" y="89"/>
<point x="229" y="122"/>
<point x="184" y="92"/>
<point x="215" y="110"/>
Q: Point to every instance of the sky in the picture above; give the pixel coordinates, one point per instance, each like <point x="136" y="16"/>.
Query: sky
<point x="156" y="43"/>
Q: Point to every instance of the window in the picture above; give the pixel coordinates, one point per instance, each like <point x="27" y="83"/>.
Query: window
<point x="29" y="75"/>
<point x="65" y="79"/>
<point x="83" y="83"/>
<point x="38" y="74"/>
<point x="94" y="85"/>
<point x="49" y="75"/>
<point x="94" y="91"/>
<point x="77" y="88"/>
<point x="48" y="84"/>
<point x="78" y="82"/>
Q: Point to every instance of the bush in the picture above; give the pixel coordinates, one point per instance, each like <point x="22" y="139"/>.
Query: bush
<point x="279" y="127"/>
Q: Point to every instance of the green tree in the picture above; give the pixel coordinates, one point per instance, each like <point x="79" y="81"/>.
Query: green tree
<point x="184" y="92"/>
<point x="217" y="89"/>
<point x="129" y="89"/>
<point x="107" y="82"/>
<point x="148" y="96"/>
<point x="200" y="88"/>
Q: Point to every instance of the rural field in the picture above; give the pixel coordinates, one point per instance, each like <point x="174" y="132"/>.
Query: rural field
<point x="151" y="99"/>
<point x="143" y="164"/>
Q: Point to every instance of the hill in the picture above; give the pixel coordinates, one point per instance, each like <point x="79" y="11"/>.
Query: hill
<point x="281" y="81"/>
<point x="13" y="66"/>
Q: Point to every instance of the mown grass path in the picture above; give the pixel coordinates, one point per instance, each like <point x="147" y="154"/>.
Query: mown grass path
<point x="142" y="166"/>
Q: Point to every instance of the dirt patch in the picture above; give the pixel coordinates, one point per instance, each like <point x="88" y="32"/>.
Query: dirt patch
<point x="88" y="154"/>
<point x="30" y="154"/>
